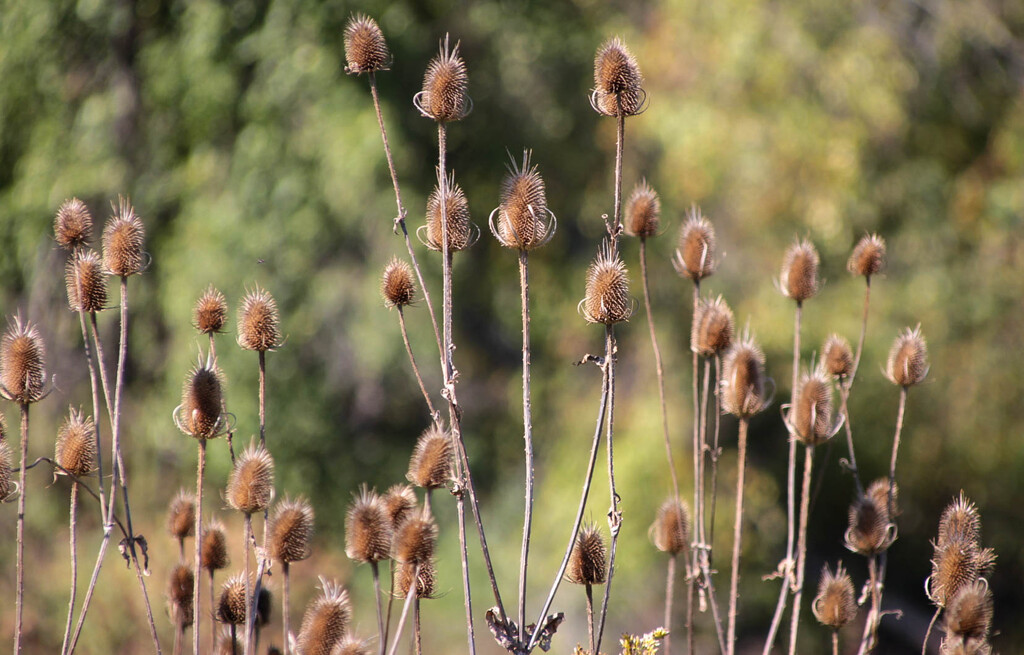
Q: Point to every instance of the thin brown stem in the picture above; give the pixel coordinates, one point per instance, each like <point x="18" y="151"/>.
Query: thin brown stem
<point x="695" y="568"/>
<point x="715" y="453"/>
<point x="835" y="642"/>
<point x="417" y="639"/>
<point x="863" y="329"/>
<point x="670" y="582"/>
<point x="380" y="612"/>
<point x="524" y="286"/>
<point x="801" y="561"/>
<point x="263" y="398"/>
<point x="286" y="607"/>
<point x="844" y="407"/>
<point x="870" y="635"/>
<point x="928" y="632"/>
<point x="614" y="514"/>
<point x="213" y="618"/>
<point x="94" y="386"/>
<point x="590" y="618"/>
<point x="250" y="615"/>
<point x="405" y="609"/>
<point x="895" y="449"/>
<point x="737" y="533"/>
<point x="20" y="599"/>
<point x="620" y="139"/>
<point x="198" y="560"/>
<point x="702" y="527"/>
<point x="391" y="597"/>
<point x="73" y="546"/>
<point x="415" y="368"/>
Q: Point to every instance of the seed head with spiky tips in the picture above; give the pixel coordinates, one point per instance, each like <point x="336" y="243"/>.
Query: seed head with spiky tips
<point x="799" y="277"/>
<point x="670" y="531"/>
<point x="251" y="483"/>
<point x="72" y="225"/>
<point x="259" y="326"/>
<point x="291" y="530"/>
<point x="7" y="486"/>
<point x="368" y="528"/>
<point x="399" y="502"/>
<point x="607" y="299"/>
<point x="743" y="379"/>
<point x="326" y="621"/>
<point x="431" y="461"/>
<point x="76" y="444"/>
<point x="713" y="327"/>
<point x="210" y="314"/>
<point x="414" y="540"/>
<point x="835" y="604"/>
<point x="522" y="220"/>
<point x="969" y="612"/>
<point x="397" y="285"/>
<point x="617" y="81"/>
<point x="445" y="83"/>
<point x="871" y="530"/>
<point x="810" y="418"/>
<point x="695" y="253"/>
<point x="960" y="521"/>
<point x="22" y="363"/>
<point x="179" y="595"/>
<point x="231" y="604"/>
<point x="587" y="562"/>
<point x="123" y="240"/>
<point x="837" y="357"/>
<point x="643" y="211"/>
<point x="868" y="257"/>
<point x="955" y="565"/>
<point x="462" y="233"/>
<point x="426" y="580"/>
<point x="85" y="282"/>
<point x="200" y="414"/>
<point x="366" y="51"/>
<point x="181" y="515"/>
<point x="908" y="358"/>
<point x="352" y="646"/>
<point x="214" y="547"/>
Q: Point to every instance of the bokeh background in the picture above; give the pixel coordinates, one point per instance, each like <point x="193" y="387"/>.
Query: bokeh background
<point x="253" y="158"/>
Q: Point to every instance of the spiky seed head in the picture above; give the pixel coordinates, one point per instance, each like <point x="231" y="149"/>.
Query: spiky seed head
<point x="799" y="277"/>
<point x="352" y="646"/>
<point x="426" y="580"/>
<point x="969" y="612"/>
<point x="368" y="528"/>
<point x="365" y="48"/>
<point x="251" y="483"/>
<point x="523" y="216"/>
<point x="291" y="530"/>
<point x="695" y="252"/>
<point x="607" y="300"/>
<point x="810" y="418"/>
<point x="231" y="603"/>
<point x="837" y="356"/>
<point x="85" y="282"/>
<point x="200" y="414"/>
<point x="123" y="240"/>
<point x="214" y="547"/>
<point x="264" y="605"/>
<point x="22" y="363"/>
<point x="7" y="486"/>
<point x="210" y="314"/>
<point x="835" y="605"/>
<point x="587" y="562"/>
<point x="326" y="621"/>
<point x="456" y="209"/>
<point x="179" y="595"/>
<point x="955" y="565"/>
<point x="258" y="321"/>
<point x="643" y="211"/>
<point x="76" y="444"/>
<point x="226" y="644"/>
<point x="72" y="224"/>
<point x="670" y="531"/>
<point x="868" y="257"/>
<point x="397" y="285"/>
<point x="871" y="531"/>
<point x="743" y="379"/>
<point x="713" y="327"/>
<point x="445" y="84"/>
<point x="878" y="491"/>
<point x="960" y="521"/>
<point x="414" y="540"/>
<point x="617" y="80"/>
<point x="181" y="515"/>
<point x="431" y="461"/>
<point x="908" y="358"/>
<point x="399" y="502"/>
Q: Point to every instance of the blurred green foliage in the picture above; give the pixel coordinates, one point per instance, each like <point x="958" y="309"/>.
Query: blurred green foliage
<point x="253" y="158"/>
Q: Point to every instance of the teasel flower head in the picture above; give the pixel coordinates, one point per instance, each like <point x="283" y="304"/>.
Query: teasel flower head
<point x="200" y="414"/>
<point x="868" y="257"/>
<point x="810" y="418"/>
<point x="352" y="646"/>
<point x="179" y="595"/>
<point x="617" y="81"/>
<point x="743" y="379"/>
<point x="607" y="299"/>
<point x="366" y="51"/>
<point x="85" y="282"/>
<point x="837" y="357"/>
<point x="397" y="285"/>
<point x="72" y="225"/>
<point x="231" y="603"/>
<point x="210" y="314"/>
<point x="908" y="358"/>
<point x="835" y="604"/>
<point x="799" y="277"/>
<point x="670" y="531"/>
<point x="426" y="580"/>
<point x="368" y="528"/>
<point x="290" y="530"/>
<point x="445" y="84"/>
<point x="251" y="483"/>
<point x="522" y="220"/>
<point x="76" y="445"/>
<point x="22" y="363"/>
<point x="214" y="547"/>
<point x="713" y="327"/>
<point x="643" y="211"/>
<point x="695" y="253"/>
<point x="414" y="540"/>
<point x="960" y="521"/>
<point x="123" y="240"/>
<point x="258" y="321"/>
<point x="7" y="485"/>
<point x="399" y="502"/>
<point x="969" y="613"/>
<point x="326" y="621"/>
<point x="587" y="562"/>
<point x="871" y="530"/>
<point x="955" y="565"/>
<point x="879" y="492"/>
<point x="462" y="232"/>
<point x="431" y="461"/>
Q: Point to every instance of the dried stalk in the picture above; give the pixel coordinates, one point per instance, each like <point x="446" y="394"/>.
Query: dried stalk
<point x="415" y="368"/>
<point x="20" y="598"/>
<point x="614" y="515"/>
<point x="801" y="560"/>
<point x="590" y="618"/>
<point x="250" y="614"/>
<point x="198" y="560"/>
<point x="73" y="546"/>
<point x="376" y="591"/>
<point x="715" y="452"/>
<point x="524" y="285"/>
<point x="698" y="501"/>
<point x="405" y="609"/>
<point x="737" y="532"/>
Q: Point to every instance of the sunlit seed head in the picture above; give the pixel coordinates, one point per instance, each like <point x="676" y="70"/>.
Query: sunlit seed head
<point x="251" y="483"/>
<point x="587" y="562"/>
<point x="961" y="520"/>
<point x="201" y="412"/>
<point x="326" y="621"/>
<point x="695" y="251"/>
<point x="607" y="298"/>
<point x="643" y="211"/>
<point x="290" y="531"/>
<point x="366" y="51"/>
<point x="258" y="321"/>
<point x="837" y="356"/>
<point x="810" y="418"/>
<point x="456" y="208"/>
<point x="85" y="282"/>
<point x="72" y="225"/>
<point x="835" y="605"/>
<point x="617" y="80"/>
<point x="210" y="314"/>
<point x="523" y="219"/>
<point x="22" y="363"/>
<point x="123" y="240"/>
<point x="431" y="461"/>
<point x="214" y="547"/>
<point x="445" y="84"/>
<point x="368" y="528"/>
<point x="426" y="579"/>
<point x="799" y="277"/>
<point x="231" y="602"/>
<point x="399" y="502"/>
<point x="868" y="257"/>
<point x="414" y="540"/>
<point x="713" y="327"/>
<point x="969" y="613"/>
<point x="908" y="359"/>
<point x="670" y="531"/>
<point x="397" y="285"/>
<point x="76" y="444"/>
<point x="743" y="379"/>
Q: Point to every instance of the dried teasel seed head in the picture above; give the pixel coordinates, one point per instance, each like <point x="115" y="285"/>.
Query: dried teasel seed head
<point x="22" y="363"/>
<point x="368" y="528"/>
<point x="352" y="646"/>
<point x="426" y="580"/>
<point x="251" y="483"/>
<point x="210" y="314"/>
<point x="445" y="83"/>
<point x="617" y="81"/>
<point x="397" y="285"/>
<point x="643" y="211"/>
<point x="200" y="414"/>
<point x="524" y="221"/>
<point x="414" y="540"/>
<point x="76" y="444"/>
<point x="72" y="225"/>
<point x="85" y="282"/>
<point x="879" y="492"/>
<point x="743" y="379"/>
<point x="365" y="48"/>
<point x="607" y="300"/>
<point x="228" y="645"/>
<point x="258" y="321"/>
<point x="461" y="231"/>
<point x="399" y="502"/>
<point x="123" y="240"/>
<point x="799" y="277"/>
<point x="810" y="417"/>
<point x="231" y="603"/>
<point x="835" y="604"/>
<point x="587" y="562"/>
<point x="908" y="358"/>
<point x="326" y="621"/>
<point x="7" y="486"/>
<point x="960" y="521"/>
<point x="955" y="565"/>
<point x="695" y="253"/>
<point x="431" y="461"/>
<point x="713" y="327"/>
<point x="969" y="612"/>
<point x="837" y="356"/>
<point x="290" y="530"/>
<point x="181" y="515"/>
<point x="868" y="257"/>
<point x="179" y="595"/>
<point x="670" y="531"/>
<point x="214" y="547"/>
<point x="871" y="530"/>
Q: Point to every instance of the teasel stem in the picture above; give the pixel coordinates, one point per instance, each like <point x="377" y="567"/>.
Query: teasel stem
<point x="405" y="608"/>
<point x="737" y="533"/>
<point x="198" y="561"/>
<point x="863" y="329"/>
<point x="19" y="601"/>
<point x="702" y="527"/>
<point x="73" y="545"/>
<point x="263" y="398"/>
<point x="249" y="605"/>
<point x="213" y="619"/>
<point x="670" y="582"/>
<point x="620" y="138"/>
<point x="179" y="635"/>
<point x="715" y="452"/>
<point x="418" y="645"/>
<point x="93" y="384"/>
<point x="928" y="632"/>
<point x="234" y="640"/>
<point x="590" y="618"/>
<point x="801" y="561"/>
<point x="614" y="515"/>
<point x="844" y="400"/>
<point x="415" y="369"/>
<point x="524" y="284"/>
<point x="835" y="642"/>
<point x="387" y="619"/>
<point x="698" y="502"/>
<point x="381" y="638"/>
<point x="896" y="447"/>
<point x="868" y="639"/>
